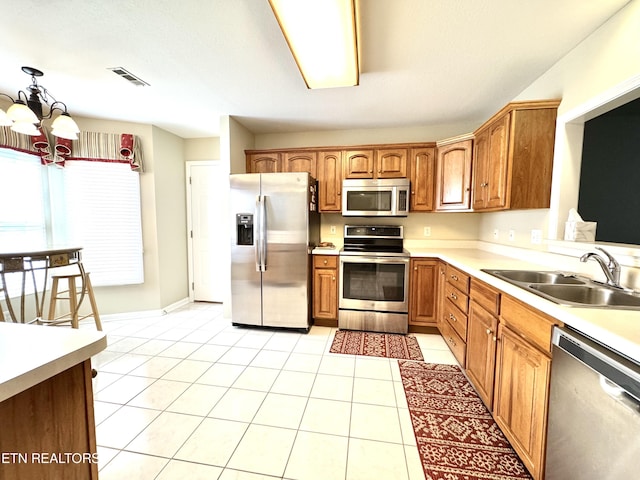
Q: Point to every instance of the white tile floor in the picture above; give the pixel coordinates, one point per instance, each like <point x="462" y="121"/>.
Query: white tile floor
<point x="187" y="395"/>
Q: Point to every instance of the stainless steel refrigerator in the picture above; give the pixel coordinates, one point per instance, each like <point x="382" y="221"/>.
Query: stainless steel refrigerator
<point x="275" y="226"/>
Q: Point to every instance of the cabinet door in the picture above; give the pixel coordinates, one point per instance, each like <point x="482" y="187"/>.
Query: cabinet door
<point x="391" y="163"/>
<point x="498" y="162"/>
<point x="300" y="162"/>
<point x="264" y="163"/>
<point x="442" y="280"/>
<point x="325" y="293"/>
<point x="422" y="294"/>
<point x="453" y="176"/>
<point x="329" y="167"/>
<point x="358" y="164"/>
<point x="422" y="168"/>
<point x="521" y="397"/>
<point x="480" y="164"/>
<point x="482" y="331"/>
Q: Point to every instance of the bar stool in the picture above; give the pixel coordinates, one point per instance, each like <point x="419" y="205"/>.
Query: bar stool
<point x="72" y="293"/>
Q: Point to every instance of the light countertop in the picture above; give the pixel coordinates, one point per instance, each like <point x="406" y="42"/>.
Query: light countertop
<point x="616" y="328"/>
<point x="30" y="354"/>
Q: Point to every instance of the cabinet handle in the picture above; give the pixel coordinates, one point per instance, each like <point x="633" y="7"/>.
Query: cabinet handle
<point x="454" y="296"/>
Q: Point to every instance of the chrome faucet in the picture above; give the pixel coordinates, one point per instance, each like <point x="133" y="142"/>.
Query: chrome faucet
<point x="610" y="269"/>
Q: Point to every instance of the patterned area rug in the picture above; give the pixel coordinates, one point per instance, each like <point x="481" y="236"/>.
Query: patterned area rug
<point x="376" y="345"/>
<point x="456" y="436"/>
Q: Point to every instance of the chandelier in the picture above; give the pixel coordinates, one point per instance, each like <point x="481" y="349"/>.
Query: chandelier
<point x="26" y="114"/>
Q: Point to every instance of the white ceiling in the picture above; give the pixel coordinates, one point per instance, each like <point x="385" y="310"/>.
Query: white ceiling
<point x="423" y="62"/>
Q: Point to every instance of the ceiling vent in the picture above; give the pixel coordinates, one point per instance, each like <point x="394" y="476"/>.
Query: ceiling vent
<point x="138" y="82"/>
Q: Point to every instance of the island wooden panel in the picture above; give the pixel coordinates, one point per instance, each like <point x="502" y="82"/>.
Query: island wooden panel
<point x="50" y="429"/>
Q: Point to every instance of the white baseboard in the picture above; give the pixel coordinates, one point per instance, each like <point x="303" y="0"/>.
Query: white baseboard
<point x="144" y="313"/>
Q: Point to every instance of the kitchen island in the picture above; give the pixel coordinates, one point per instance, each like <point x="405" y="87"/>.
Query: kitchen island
<point x="47" y="427"/>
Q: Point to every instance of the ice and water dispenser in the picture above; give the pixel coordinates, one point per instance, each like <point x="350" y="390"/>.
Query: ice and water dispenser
<point x="244" y="229"/>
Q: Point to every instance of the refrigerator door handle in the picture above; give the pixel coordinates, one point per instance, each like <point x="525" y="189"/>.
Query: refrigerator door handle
<point x="263" y="227"/>
<point x="258" y="228"/>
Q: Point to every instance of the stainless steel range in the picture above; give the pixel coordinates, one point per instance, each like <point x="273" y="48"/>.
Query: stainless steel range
<point x="374" y="279"/>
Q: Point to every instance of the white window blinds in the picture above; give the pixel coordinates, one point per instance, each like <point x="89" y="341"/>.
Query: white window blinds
<point x="102" y="214"/>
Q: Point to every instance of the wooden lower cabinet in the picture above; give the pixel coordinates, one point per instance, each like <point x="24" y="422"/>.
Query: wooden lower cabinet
<point x="521" y="397"/>
<point x="423" y="297"/>
<point x="482" y="332"/>
<point x="325" y="290"/>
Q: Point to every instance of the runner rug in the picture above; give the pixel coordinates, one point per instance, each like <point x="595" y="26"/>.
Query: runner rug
<point x="456" y="436"/>
<point x="376" y="345"/>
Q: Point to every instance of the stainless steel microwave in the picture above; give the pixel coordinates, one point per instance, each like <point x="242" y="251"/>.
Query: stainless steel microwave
<point x="385" y="197"/>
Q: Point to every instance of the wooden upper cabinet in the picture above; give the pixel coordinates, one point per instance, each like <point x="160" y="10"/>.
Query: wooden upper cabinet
<point x="390" y="163"/>
<point x="513" y="157"/>
<point x="329" y="169"/>
<point x="264" y="162"/>
<point x="378" y="163"/>
<point x="301" y="162"/>
<point x="490" y="165"/>
<point x="422" y="171"/>
<point x="453" y="173"/>
<point x="358" y="164"/>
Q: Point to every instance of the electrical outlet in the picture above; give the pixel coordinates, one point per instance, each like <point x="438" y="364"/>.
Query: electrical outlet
<point x="427" y="231"/>
<point x="332" y="229"/>
<point x="512" y="235"/>
<point x="496" y="233"/>
<point x="536" y="236"/>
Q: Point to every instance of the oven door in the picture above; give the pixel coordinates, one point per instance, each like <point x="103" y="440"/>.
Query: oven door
<point x="374" y="283"/>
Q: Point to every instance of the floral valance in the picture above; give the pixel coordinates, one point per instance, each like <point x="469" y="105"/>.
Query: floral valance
<point x="90" y="146"/>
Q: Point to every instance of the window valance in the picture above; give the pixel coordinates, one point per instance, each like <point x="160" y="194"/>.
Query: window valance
<point x="90" y="146"/>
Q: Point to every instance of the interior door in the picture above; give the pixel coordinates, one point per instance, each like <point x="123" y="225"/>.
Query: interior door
<point x="208" y="245"/>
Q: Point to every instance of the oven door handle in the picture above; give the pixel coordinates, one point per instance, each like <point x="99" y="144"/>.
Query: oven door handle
<point x="372" y="259"/>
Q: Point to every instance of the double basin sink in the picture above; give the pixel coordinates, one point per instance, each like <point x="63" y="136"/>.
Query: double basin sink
<point x="569" y="289"/>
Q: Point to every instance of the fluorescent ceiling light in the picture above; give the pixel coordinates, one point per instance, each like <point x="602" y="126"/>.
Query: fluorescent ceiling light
<point x="322" y="37"/>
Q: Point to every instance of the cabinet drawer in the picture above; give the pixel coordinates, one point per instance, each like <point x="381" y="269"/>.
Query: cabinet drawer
<point x="325" y="261"/>
<point x="456" y="319"/>
<point x="457" y="346"/>
<point x="533" y="326"/>
<point x="458" y="278"/>
<point x="485" y="296"/>
<point x="456" y="297"/>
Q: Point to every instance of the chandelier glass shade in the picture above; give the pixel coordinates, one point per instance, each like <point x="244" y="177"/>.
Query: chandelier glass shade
<point x="26" y="113"/>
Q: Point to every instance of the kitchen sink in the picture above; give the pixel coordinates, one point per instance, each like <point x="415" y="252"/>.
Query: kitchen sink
<point x="569" y="289"/>
<point x="591" y="295"/>
<point x="533" y="276"/>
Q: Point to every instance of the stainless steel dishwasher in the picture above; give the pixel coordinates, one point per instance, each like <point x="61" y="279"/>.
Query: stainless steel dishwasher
<point x="594" y="411"/>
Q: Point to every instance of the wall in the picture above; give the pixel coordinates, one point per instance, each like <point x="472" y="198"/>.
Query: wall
<point x="202" y="149"/>
<point x="163" y="208"/>
<point x="602" y="67"/>
<point x="146" y="296"/>
<point x="424" y="133"/>
<point x="171" y="220"/>
<point x="234" y="140"/>
<point x="444" y="226"/>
